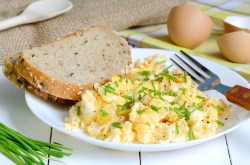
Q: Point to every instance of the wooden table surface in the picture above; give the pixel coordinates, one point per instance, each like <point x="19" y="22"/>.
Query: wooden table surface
<point x="231" y="149"/>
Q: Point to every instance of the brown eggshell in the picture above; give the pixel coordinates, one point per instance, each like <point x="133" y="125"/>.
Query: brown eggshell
<point x="235" y="46"/>
<point x="236" y="23"/>
<point x="188" y="26"/>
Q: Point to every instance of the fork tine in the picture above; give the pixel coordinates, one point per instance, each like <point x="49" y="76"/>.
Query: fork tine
<point x="197" y="63"/>
<point x="194" y="70"/>
<point x="193" y="78"/>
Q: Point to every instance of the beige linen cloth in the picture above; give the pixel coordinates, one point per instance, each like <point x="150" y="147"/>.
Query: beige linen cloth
<point x="116" y="14"/>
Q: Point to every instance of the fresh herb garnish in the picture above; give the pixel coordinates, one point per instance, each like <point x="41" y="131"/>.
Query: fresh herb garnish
<point x="128" y="97"/>
<point x="220" y="123"/>
<point x="104" y="113"/>
<point x="110" y="89"/>
<point x="161" y="62"/>
<point x="78" y="111"/>
<point x="181" y="112"/>
<point x="177" y="127"/>
<point x="116" y="125"/>
<point x="167" y="68"/>
<point x="169" y="76"/>
<point x="152" y="82"/>
<point x="185" y="76"/>
<point x="200" y="97"/>
<point x="197" y="106"/>
<point x="190" y="135"/>
<point x="121" y="79"/>
<point x="128" y="79"/>
<point x="145" y="73"/>
<point x="127" y="104"/>
<point x="155" y="108"/>
<point x="141" y="111"/>
<point x="184" y="90"/>
<point x="218" y="107"/>
<point x="172" y="103"/>
<point x="116" y="84"/>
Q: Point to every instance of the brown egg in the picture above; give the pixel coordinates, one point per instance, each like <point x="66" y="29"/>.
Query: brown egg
<point x="188" y="26"/>
<point x="235" y="46"/>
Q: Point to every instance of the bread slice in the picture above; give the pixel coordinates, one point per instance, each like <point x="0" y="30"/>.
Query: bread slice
<point x="66" y="67"/>
<point x="10" y="72"/>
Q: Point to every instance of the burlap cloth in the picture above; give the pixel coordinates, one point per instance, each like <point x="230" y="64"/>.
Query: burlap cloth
<point x="116" y="14"/>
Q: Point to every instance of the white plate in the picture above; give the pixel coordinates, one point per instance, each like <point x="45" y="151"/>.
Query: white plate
<point x="54" y="114"/>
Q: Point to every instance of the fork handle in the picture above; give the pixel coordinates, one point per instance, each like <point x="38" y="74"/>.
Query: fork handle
<point x="239" y="95"/>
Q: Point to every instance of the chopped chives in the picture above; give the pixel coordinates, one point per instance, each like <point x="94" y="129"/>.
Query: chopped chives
<point x="190" y="135"/>
<point x="78" y="111"/>
<point x="167" y="68"/>
<point x="155" y="92"/>
<point x="145" y="73"/>
<point x="128" y="79"/>
<point x="161" y="62"/>
<point x="198" y="107"/>
<point x="155" y="108"/>
<point x="116" y="84"/>
<point x="104" y="113"/>
<point x="110" y="89"/>
<point x="141" y="111"/>
<point x="185" y="76"/>
<point x="184" y="90"/>
<point x="116" y="125"/>
<point x="184" y="104"/>
<point x="220" y="123"/>
<point x="200" y="97"/>
<point x="177" y="127"/>
<point x="152" y="82"/>
<point x="181" y="112"/>
<point x="140" y="97"/>
<point x="172" y="103"/>
<point x="218" y="107"/>
<point x="169" y="76"/>
<point x="128" y="97"/>
<point x="126" y="105"/>
<point x="121" y="79"/>
<point x="159" y="79"/>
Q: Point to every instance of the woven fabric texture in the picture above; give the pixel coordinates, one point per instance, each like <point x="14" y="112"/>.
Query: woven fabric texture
<point x="116" y="14"/>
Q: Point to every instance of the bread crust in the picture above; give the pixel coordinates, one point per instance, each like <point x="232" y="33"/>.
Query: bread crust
<point x="10" y="72"/>
<point x="58" y="88"/>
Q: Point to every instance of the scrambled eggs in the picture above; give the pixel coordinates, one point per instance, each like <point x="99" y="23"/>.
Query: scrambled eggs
<point x="151" y="103"/>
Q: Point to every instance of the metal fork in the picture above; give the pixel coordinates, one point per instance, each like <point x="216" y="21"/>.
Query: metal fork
<point x="237" y="94"/>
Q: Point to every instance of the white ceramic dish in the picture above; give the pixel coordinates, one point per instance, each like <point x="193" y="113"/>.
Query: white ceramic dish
<point x="54" y="114"/>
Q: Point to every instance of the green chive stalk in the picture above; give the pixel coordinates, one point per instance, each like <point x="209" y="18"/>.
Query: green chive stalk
<point x="23" y="150"/>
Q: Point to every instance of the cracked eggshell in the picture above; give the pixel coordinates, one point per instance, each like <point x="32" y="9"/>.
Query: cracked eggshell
<point x="235" y="46"/>
<point x="236" y="23"/>
<point x="188" y="26"/>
